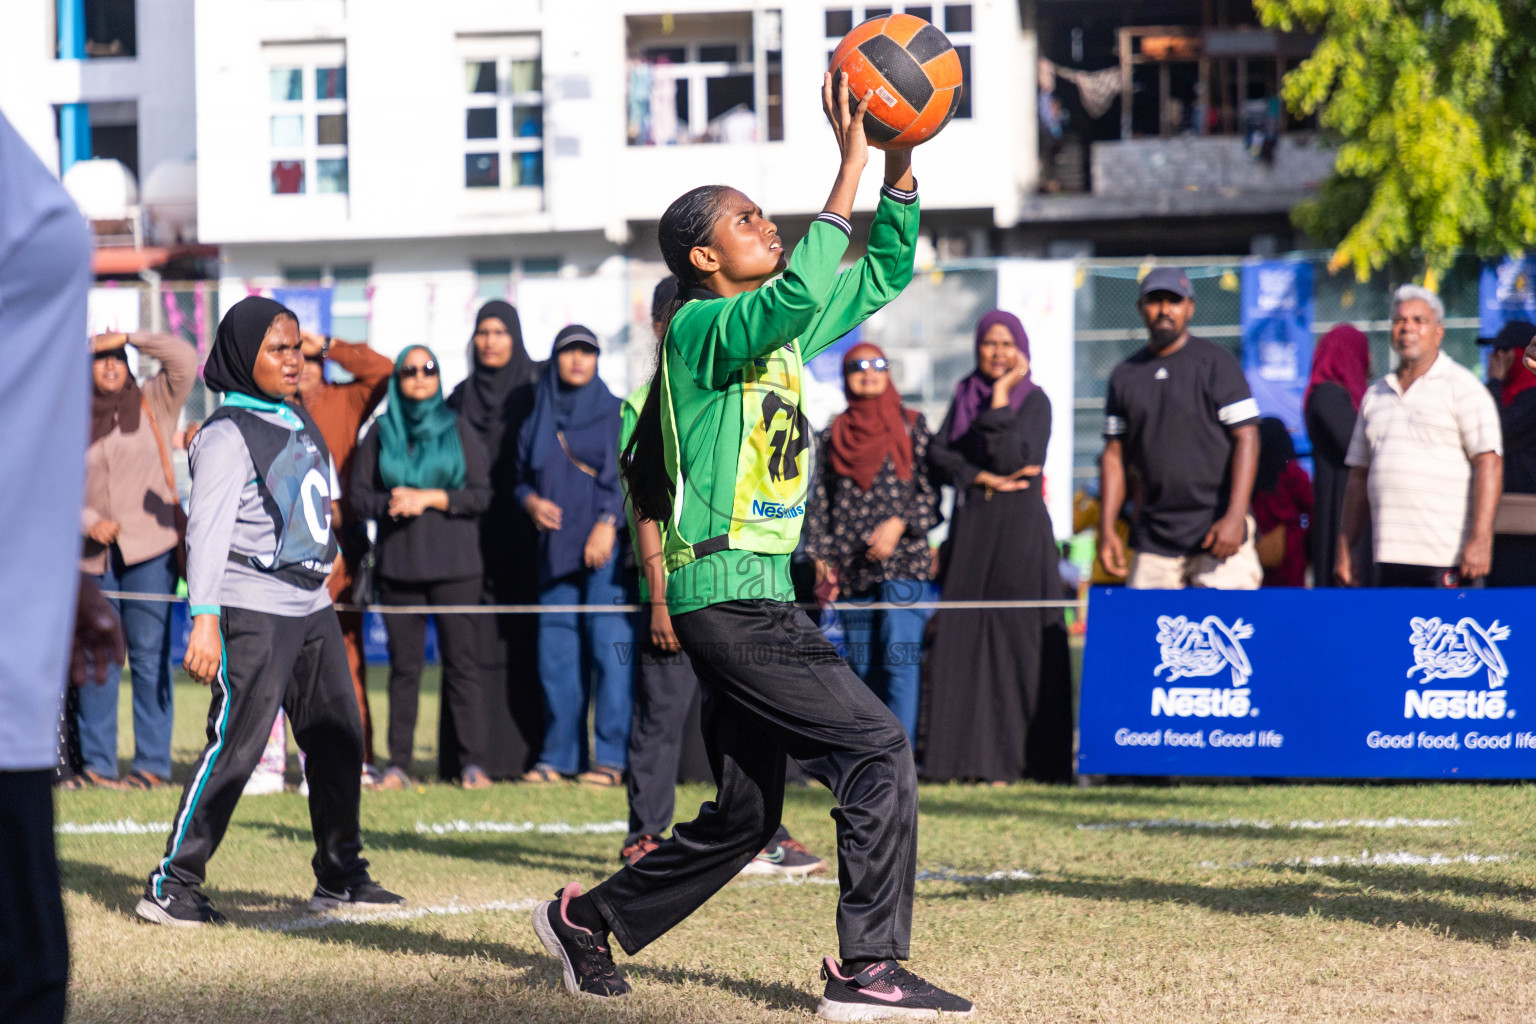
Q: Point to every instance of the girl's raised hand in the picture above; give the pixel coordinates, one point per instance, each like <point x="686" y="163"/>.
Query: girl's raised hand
<point x="848" y="128"/>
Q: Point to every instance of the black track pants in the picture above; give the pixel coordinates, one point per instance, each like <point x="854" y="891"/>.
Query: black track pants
<point x="461" y="642"/>
<point x="300" y="665"/>
<point x="777" y="688"/>
<point x="34" y="954"/>
<point x="664" y="736"/>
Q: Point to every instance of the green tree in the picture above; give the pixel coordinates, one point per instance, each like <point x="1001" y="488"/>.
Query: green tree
<point x="1432" y="104"/>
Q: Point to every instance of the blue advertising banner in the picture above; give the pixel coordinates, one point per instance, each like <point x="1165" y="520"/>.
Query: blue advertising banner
<point x="1277" y="340"/>
<point x="311" y="305"/>
<point x="1506" y="291"/>
<point x="1415" y="684"/>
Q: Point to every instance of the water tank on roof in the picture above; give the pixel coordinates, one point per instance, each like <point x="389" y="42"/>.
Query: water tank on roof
<point x="103" y="189"/>
<point x="170" y="200"/>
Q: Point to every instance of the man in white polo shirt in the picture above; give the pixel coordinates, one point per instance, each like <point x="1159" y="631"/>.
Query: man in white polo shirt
<point x="1426" y="461"/>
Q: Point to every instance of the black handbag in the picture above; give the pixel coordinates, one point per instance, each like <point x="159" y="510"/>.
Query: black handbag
<point x="364" y="567"/>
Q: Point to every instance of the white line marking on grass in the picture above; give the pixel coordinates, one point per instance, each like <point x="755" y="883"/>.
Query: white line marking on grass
<point x="1366" y="858"/>
<point x="1299" y="824"/>
<point x="454" y="908"/>
<point x="949" y="875"/>
<point x="121" y="827"/>
<point x="556" y="828"/>
<point x="326" y="920"/>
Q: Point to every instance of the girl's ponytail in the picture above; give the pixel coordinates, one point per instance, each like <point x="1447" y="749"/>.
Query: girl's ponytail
<point x="689" y="222"/>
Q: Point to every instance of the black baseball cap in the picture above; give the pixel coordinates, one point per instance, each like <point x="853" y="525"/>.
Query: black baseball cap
<point x="1514" y="334"/>
<point x="1167" y="279"/>
<point x="574" y="334"/>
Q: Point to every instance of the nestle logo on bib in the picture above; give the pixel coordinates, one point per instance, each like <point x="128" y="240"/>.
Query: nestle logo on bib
<point x="776" y="509"/>
<point x="1445" y="651"/>
<point x="1201" y="649"/>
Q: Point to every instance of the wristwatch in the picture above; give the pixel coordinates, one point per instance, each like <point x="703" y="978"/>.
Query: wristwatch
<point x="607" y="518"/>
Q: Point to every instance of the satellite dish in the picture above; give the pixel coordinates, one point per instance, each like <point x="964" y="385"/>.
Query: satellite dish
<point x="170" y="200"/>
<point x="102" y="189"/>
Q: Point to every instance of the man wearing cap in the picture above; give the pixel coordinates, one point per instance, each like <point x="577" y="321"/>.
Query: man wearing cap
<point x="1180" y="412"/>
<point x="1514" y="387"/>
<point x="1425" y="462"/>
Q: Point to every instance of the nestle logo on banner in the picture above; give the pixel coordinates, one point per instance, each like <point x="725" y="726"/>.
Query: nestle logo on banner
<point x="1195" y="650"/>
<point x="1445" y="651"/>
<point x="776" y="510"/>
<point x="1277" y="290"/>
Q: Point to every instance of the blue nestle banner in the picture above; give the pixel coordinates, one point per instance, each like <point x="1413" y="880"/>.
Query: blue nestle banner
<point x="1506" y="291"/>
<point x="311" y="305"/>
<point x="1277" y="340"/>
<point x="1309" y="684"/>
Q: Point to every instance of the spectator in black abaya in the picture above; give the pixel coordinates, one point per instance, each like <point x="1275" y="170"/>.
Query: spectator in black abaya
<point x="1341" y="369"/>
<point x="421" y="475"/>
<point x="1514" y="541"/>
<point x="493" y="401"/>
<point x="998" y="684"/>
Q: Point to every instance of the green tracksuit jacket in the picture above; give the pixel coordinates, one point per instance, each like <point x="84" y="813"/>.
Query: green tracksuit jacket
<point x="737" y="444"/>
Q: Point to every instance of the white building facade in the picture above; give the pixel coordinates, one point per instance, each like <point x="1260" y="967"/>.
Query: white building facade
<point x="134" y="77"/>
<point x="422" y="158"/>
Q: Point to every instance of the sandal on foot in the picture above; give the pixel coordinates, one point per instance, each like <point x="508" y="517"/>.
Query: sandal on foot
<point x="143" y="780"/>
<point x="542" y="773"/>
<point x="101" y="781"/>
<point x="602" y="775"/>
<point x="473" y="777"/>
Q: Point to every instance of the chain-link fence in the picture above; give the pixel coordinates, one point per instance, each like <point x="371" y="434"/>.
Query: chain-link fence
<point x="927" y="331"/>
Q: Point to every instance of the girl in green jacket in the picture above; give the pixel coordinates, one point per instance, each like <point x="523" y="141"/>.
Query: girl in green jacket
<point x="721" y="454"/>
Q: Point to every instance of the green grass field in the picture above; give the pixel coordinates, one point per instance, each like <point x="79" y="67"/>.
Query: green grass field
<point x="1284" y="903"/>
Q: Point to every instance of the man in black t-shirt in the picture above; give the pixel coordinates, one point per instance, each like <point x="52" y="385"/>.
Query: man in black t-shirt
<point x="1181" y="413"/>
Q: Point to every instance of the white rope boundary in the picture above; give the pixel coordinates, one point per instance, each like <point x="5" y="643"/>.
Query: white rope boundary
<point x="459" y="826"/>
<point x="566" y="609"/>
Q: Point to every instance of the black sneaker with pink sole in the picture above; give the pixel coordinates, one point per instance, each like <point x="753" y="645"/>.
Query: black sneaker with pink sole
<point x="586" y="963"/>
<point x="884" y="991"/>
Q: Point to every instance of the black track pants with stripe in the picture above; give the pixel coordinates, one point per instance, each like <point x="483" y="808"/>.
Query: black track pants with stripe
<point x="778" y="689"/>
<point x="300" y="665"/>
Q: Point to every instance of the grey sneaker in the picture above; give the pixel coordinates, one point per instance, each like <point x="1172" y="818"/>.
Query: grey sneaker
<point x="364" y="895"/>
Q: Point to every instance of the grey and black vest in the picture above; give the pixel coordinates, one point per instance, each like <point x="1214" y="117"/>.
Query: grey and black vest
<point x="293" y="477"/>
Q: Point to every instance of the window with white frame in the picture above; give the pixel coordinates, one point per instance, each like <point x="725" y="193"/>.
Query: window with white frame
<point x="503" y="113"/>
<point x="705" y="78"/>
<point x="955" y="19"/>
<point x="307" y="118"/>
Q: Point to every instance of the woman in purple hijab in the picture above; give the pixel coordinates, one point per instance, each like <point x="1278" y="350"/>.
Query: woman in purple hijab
<point x="998" y="683"/>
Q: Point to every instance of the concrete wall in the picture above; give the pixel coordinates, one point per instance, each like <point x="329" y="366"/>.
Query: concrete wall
<point x="1219" y="164"/>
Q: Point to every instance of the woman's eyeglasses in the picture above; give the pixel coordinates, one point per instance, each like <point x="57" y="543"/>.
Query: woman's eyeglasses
<point x="427" y="369"/>
<point x="858" y="365"/>
<point x="121" y="355"/>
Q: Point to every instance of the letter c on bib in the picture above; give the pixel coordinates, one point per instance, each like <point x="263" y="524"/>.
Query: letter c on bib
<point x="318" y="529"/>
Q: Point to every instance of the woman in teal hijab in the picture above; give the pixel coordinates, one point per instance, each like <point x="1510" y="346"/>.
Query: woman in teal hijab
<point x="422" y="475"/>
<point x="418" y="445"/>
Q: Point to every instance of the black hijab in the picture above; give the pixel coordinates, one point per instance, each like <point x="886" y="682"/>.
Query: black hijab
<point x="484" y="397"/>
<point x="233" y="357"/>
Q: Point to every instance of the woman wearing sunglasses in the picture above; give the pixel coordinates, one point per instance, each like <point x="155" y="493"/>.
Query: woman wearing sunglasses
<point x="424" y="478"/>
<point x="867" y="527"/>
